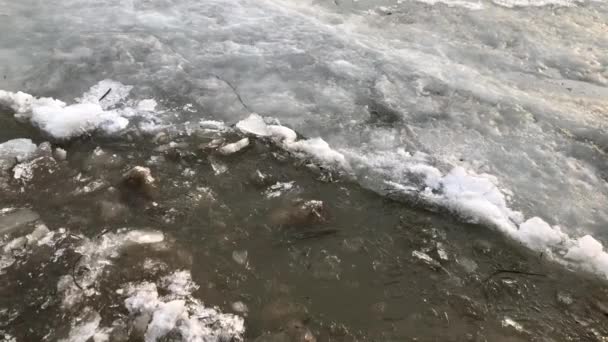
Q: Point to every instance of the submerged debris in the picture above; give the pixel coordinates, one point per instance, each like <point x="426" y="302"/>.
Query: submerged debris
<point x="139" y="179"/>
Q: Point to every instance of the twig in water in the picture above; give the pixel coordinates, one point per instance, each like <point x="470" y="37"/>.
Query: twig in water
<point x="74" y="271"/>
<point x="497" y="272"/>
<point x="238" y="96"/>
<point x="314" y="234"/>
<point x="106" y="94"/>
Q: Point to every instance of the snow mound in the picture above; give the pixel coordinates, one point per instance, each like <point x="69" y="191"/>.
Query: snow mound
<point x="93" y="112"/>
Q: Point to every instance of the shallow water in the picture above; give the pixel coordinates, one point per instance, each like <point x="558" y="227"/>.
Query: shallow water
<point x="362" y="267"/>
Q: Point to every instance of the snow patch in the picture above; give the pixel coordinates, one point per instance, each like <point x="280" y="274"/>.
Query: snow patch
<point x="315" y="148"/>
<point x="147" y="105"/>
<point x="278" y="189"/>
<point x="92" y="112"/>
<point x="96" y="254"/>
<point x="180" y="312"/>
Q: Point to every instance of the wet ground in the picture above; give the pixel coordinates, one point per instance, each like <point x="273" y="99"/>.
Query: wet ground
<point x="301" y="253"/>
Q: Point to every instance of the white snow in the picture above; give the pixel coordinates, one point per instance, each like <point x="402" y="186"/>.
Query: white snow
<point x="179" y="283"/>
<point x="509" y="322"/>
<point x="315" y="148"/>
<point x="147" y="105"/>
<point x="278" y="189"/>
<point x="179" y="311"/>
<point x="320" y="151"/>
<point x="164" y="319"/>
<point x="62" y="121"/>
<point x="589" y="253"/>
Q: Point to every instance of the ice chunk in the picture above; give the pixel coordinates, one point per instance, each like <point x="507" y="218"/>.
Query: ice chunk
<point x="22" y="103"/>
<point x="147" y="105"/>
<point x="16" y="219"/>
<point x="179" y="283"/>
<point x="278" y="189"/>
<point x="320" y="151"/>
<point x="539" y="235"/>
<point x="143" y="298"/>
<point x="164" y="319"/>
<point x="508" y="322"/>
<point x="234" y="147"/>
<point x="14" y="151"/>
<point x="180" y="312"/>
<point x="283" y="133"/>
<point x="253" y="124"/>
<point x="589" y="252"/>
<point x="64" y="122"/>
<point x="91" y="113"/>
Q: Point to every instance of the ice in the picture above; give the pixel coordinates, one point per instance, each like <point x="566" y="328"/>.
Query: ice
<point x="179" y="283"/>
<point x="96" y="254"/>
<point x="147" y="105"/>
<point x="234" y="147"/>
<point x="86" y="329"/>
<point x="15" y="150"/>
<point x="77" y="119"/>
<point x="589" y="253"/>
<point x="13" y="220"/>
<point x="539" y="235"/>
<point x="278" y="189"/>
<point x="93" y="111"/>
<point x="20" y="246"/>
<point x="164" y="319"/>
<point x="508" y="322"/>
<point x="179" y="311"/>
<point x="253" y="124"/>
<point x="62" y="121"/>
<point x="282" y="133"/>
<point x="117" y="93"/>
<point x="315" y="148"/>
<point x="319" y="150"/>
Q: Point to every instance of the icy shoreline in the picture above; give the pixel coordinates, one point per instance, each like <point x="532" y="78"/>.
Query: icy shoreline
<point x="474" y="197"/>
